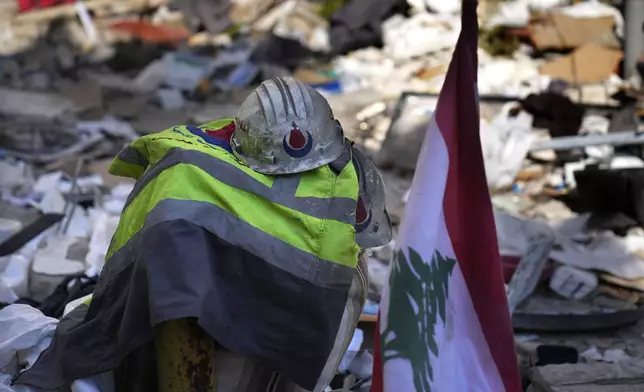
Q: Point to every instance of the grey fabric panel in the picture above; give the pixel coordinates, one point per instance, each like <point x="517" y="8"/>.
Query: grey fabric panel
<point x="353" y="309"/>
<point x="242" y="374"/>
<point x="339" y="208"/>
<point x="236" y="232"/>
<point x="176" y="269"/>
<point x="131" y="155"/>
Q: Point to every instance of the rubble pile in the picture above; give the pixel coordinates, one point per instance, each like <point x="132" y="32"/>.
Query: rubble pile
<point x="559" y="130"/>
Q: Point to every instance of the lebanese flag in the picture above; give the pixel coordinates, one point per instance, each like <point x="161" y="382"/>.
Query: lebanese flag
<point x="444" y="321"/>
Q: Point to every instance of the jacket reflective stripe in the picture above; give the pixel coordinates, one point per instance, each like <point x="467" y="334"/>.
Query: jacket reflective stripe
<point x="313" y="211"/>
<point x="133" y="156"/>
<point x="129" y="164"/>
<point x="328" y="239"/>
<point x="237" y="232"/>
<point x="155" y="147"/>
<point x="287" y="183"/>
<point x="338" y="208"/>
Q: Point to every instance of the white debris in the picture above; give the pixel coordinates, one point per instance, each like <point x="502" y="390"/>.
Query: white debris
<point x="515" y="234"/>
<point x="7" y="295"/>
<point x="104" y="228"/>
<point x="444" y="6"/>
<point x="505" y="143"/>
<point x="510" y="14"/>
<point x="78" y="225"/>
<point x="378" y="273"/>
<point x="385" y="253"/>
<point x="594" y="125"/>
<point x="352" y="350"/>
<point x="573" y="283"/>
<point x="592" y="354"/>
<point x="589" y="251"/>
<point x="15" y="102"/>
<point x="626" y="162"/>
<point x="16" y="275"/>
<point x="111" y="126"/>
<point x="115" y="202"/>
<point x="48" y="181"/>
<point x="544" y="5"/>
<point x="171" y="99"/>
<point x="407" y="38"/>
<point x="518" y="76"/>
<point x="362" y="365"/>
<point x="13" y="175"/>
<point x="52" y="202"/>
<point x="610" y="355"/>
<point x="51" y="266"/>
<point x="8" y="227"/>
<point x="616" y="355"/>
<point x="24" y="333"/>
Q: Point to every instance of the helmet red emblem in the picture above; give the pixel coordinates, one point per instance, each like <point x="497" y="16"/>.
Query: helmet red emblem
<point x="296" y="143"/>
<point x="363" y="216"/>
<point x="361" y="211"/>
<point x="296" y="138"/>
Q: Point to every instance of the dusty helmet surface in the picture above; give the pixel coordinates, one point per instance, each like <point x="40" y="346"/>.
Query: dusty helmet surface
<point x="373" y="225"/>
<point x="284" y="126"/>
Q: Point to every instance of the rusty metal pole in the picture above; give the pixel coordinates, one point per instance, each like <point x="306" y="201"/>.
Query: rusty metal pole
<point x="185" y="357"/>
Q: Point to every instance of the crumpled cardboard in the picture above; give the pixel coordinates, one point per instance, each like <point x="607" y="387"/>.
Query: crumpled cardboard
<point x="559" y="31"/>
<point x="590" y="63"/>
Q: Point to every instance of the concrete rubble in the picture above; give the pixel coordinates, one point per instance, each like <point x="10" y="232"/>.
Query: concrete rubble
<point x="78" y="82"/>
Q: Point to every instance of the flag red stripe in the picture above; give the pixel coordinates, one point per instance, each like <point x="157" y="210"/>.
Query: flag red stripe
<point x="376" y="382"/>
<point x="467" y="206"/>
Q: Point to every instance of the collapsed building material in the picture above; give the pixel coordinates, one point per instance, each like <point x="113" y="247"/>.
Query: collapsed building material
<point x="40" y="142"/>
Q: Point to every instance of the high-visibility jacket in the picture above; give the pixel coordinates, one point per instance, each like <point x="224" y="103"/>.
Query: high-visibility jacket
<point x="266" y="263"/>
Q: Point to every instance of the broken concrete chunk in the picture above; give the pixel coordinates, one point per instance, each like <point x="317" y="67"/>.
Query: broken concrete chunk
<point x="8" y="227"/>
<point x="623" y="376"/>
<point x="116" y="82"/>
<point x="128" y="106"/>
<point x="35" y="104"/>
<point x="184" y="71"/>
<point x="109" y="125"/>
<point x="157" y="120"/>
<point x="406" y="134"/>
<point x="13" y="175"/>
<point x="170" y="99"/>
<point x="51" y="266"/>
<point x="152" y="76"/>
<point x="86" y="94"/>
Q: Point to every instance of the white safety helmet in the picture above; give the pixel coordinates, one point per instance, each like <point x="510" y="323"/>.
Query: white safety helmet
<point x="284" y="126"/>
